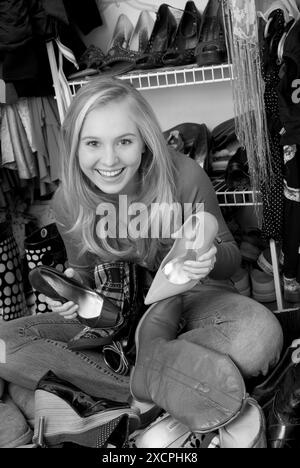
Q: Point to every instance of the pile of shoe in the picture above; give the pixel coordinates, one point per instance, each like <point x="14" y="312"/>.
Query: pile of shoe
<point x="255" y="277"/>
<point x="191" y="139"/>
<point x="175" y="37"/>
<point x="228" y="160"/>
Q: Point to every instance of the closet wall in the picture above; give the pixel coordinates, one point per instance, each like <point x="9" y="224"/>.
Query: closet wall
<point x="205" y="103"/>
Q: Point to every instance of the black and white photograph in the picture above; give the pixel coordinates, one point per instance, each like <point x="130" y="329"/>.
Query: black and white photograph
<point x="149" y="227"/>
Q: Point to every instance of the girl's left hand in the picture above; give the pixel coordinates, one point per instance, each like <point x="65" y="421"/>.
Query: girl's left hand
<point x="200" y="269"/>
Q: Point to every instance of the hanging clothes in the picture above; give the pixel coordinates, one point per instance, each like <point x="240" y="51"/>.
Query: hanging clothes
<point x="273" y="200"/>
<point x="46" y="136"/>
<point x="289" y="108"/>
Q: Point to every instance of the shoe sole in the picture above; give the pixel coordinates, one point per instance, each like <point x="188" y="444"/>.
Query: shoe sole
<point x="63" y="424"/>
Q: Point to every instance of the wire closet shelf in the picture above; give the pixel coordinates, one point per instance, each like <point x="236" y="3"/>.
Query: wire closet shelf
<point x="169" y="77"/>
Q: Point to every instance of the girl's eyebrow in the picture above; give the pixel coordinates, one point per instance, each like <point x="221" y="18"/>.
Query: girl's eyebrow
<point x="97" y="138"/>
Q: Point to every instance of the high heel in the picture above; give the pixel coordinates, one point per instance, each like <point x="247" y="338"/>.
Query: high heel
<point x="170" y="278"/>
<point x="121" y="59"/>
<point x="160" y="40"/>
<point x="73" y="416"/>
<point x="211" y="48"/>
<point x="182" y="50"/>
<point x="94" y="310"/>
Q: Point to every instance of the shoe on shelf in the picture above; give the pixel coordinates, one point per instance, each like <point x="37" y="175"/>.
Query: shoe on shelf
<point x="161" y="38"/>
<point x="14" y="430"/>
<point x="265" y="392"/>
<point x="291" y="289"/>
<point x="211" y="48"/>
<point x="182" y="50"/>
<point x="95" y="310"/>
<point x="89" y="63"/>
<point x="241" y="281"/>
<point x="263" y="286"/>
<point x="121" y="58"/>
<point x="73" y="416"/>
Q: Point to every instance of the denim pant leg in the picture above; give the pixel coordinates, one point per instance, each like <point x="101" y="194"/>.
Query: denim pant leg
<point x="219" y="318"/>
<point x="35" y="345"/>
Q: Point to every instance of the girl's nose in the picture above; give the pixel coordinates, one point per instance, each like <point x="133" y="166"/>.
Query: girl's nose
<point x="110" y="157"/>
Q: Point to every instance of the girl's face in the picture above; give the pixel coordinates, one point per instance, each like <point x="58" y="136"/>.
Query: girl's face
<point x="110" y="148"/>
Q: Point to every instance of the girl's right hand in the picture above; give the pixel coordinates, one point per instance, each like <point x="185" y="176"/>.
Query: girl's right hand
<point x="68" y="310"/>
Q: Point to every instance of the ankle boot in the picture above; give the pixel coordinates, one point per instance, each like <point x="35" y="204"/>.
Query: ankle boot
<point x="197" y="386"/>
<point x="265" y="392"/>
<point x="14" y="430"/>
<point x="283" y="420"/>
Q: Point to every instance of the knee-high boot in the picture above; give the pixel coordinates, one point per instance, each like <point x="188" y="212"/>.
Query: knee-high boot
<point x="199" y="387"/>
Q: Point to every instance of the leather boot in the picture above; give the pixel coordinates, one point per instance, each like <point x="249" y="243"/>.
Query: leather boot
<point x="283" y="419"/>
<point x="14" y="430"/>
<point x="197" y="386"/>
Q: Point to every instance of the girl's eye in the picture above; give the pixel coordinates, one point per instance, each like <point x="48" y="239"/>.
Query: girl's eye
<point x="93" y="143"/>
<point x="125" y="141"/>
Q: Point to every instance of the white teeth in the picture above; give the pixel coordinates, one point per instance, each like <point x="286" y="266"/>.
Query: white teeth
<point x="109" y="173"/>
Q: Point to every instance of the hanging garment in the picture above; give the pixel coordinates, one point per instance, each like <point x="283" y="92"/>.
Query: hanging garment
<point x="291" y="236"/>
<point x="46" y="137"/>
<point x="273" y="200"/>
<point x="15" y="148"/>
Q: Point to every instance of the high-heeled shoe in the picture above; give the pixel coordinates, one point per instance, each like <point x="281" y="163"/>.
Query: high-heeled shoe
<point x="182" y="50"/>
<point x="160" y="40"/>
<point x="121" y="59"/>
<point x="195" y="237"/>
<point x="119" y="45"/>
<point x="73" y="416"/>
<point x="94" y="310"/>
<point x="211" y="48"/>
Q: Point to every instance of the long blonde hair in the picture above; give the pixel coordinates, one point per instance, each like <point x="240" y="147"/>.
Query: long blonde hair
<point x="81" y="197"/>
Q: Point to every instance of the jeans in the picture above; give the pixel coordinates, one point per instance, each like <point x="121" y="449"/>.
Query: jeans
<point x="215" y="316"/>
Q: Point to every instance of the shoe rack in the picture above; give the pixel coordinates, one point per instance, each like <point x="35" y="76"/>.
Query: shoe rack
<point x="176" y="77"/>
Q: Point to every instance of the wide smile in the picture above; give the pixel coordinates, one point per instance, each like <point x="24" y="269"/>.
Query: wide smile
<point x="110" y="174"/>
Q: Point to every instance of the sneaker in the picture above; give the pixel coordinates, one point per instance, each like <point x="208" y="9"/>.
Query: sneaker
<point x="291" y="290"/>
<point x="263" y="286"/>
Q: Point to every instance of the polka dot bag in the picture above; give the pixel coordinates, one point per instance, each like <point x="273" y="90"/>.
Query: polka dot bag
<point x="12" y="299"/>
<point x="45" y="247"/>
